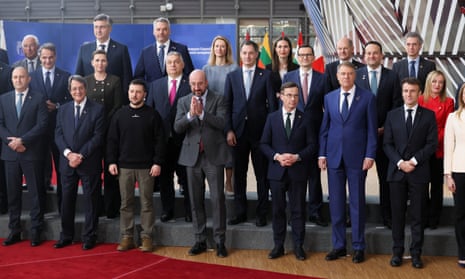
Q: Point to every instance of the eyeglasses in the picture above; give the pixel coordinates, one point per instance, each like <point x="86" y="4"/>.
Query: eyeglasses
<point x="305" y="55"/>
<point x="291" y="96"/>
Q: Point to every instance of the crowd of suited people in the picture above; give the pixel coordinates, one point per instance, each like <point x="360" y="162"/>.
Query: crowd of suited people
<point x="167" y="118"/>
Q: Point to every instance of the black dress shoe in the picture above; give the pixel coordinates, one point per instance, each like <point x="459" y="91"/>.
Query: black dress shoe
<point x="417" y="262"/>
<point x="396" y="261"/>
<point x="318" y="221"/>
<point x="276" y="252"/>
<point x="12" y="239"/>
<point x="237" y="220"/>
<point x="35" y="239"/>
<point x="359" y="256"/>
<point x="199" y="247"/>
<point x="221" y="250"/>
<point x="299" y="253"/>
<point x="166" y="217"/>
<point x="89" y="244"/>
<point x="35" y="243"/>
<point x="336" y="254"/>
<point x="62" y="244"/>
<point x="260" y="222"/>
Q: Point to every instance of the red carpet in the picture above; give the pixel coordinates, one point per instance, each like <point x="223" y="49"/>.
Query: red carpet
<point x="22" y="261"/>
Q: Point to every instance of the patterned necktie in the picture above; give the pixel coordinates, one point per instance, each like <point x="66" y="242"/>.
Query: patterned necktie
<point x="248" y="82"/>
<point x="172" y="95"/>
<point x="345" y="106"/>
<point x="77" y="115"/>
<point x="412" y="69"/>
<point x="374" y="82"/>
<point x="161" y="58"/>
<point x="48" y="84"/>
<point x="305" y="88"/>
<point x="288" y="125"/>
<point x="409" y="122"/>
<point x="19" y="103"/>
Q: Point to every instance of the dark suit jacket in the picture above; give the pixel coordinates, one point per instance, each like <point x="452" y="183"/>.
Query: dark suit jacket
<point x="389" y="94"/>
<point x="331" y="82"/>
<point x="5" y="78"/>
<point x="262" y="100"/>
<point x="4" y="56"/>
<point x="148" y="66"/>
<point x="276" y="81"/>
<point x="302" y="141"/>
<point x="23" y="63"/>
<point x="351" y="140"/>
<point x="425" y="67"/>
<point x="30" y="127"/>
<point x="158" y="98"/>
<point x="119" y="62"/>
<point x="314" y="106"/>
<point x="421" y="144"/>
<point x="210" y="130"/>
<point x="86" y="139"/>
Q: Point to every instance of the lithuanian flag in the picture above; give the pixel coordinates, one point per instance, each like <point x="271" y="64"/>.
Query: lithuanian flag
<point x="265" y="53"/>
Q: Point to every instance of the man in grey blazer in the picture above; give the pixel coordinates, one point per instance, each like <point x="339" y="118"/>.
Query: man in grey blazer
<point x="201" y="116"/>
<point x="30" y="46"/>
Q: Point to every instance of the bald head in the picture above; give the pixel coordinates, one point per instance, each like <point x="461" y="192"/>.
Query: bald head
<point x="198" y="82"/>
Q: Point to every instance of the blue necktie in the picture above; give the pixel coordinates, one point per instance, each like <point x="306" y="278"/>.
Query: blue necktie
<point x="345" y="106"/>
<point x="19" y="103"/>
<point x="77" y="115"/>
<point x="374" y="82"/>
<point x="248" y="83"/>
<point x="412" y="69"/>
<point x="161" y="58"/>
<point x="48" y="84"/>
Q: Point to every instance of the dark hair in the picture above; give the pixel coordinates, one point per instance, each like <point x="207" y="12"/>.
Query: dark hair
<point x="288" y="84"/>
<point x="411" y="81"/>
<point x="305" y="46"/>
<point x="373" y="43"/>
<point x="103" y="17"/>
<point x="139" y="81"/>
<point x="98" y="51"/>
<point x="77" y="78"/>
<point x="414" y="35"/>
<point x="275" y="58"/>
<point x="250" y="43"/>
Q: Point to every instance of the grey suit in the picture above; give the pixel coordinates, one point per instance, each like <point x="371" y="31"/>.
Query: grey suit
<point x="209" y="163"/>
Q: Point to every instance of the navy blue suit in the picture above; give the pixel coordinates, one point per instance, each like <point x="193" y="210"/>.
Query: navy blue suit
<point x="388" y="97"/>
<point x="59" y="94"/>
<point x="345" y="144"/>
<point x="314" y="108"/>
<point x="5" y="78"/>
<point x="158" y="98"/>
<point x="87" y="140"/>
<point x="30" y="127"/>
<point x="119" y="63"/>
<point x="424" y="68"/>
<point x="4" y="56"/>
<point x="331" y="82"/>
<point x="246" y="118"/>
<point x="148" y="66"/>
<point x="293" y="179"/>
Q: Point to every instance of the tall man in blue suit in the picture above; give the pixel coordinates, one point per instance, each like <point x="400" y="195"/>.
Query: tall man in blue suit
<point x="119" y="61"/>
<point x="385" y="85"/>
<point x="249" y="98"/>
<point x="151" y="63"/>
<point x="289" y="142"/>
<point x="79" y="136"/>
<point x="163" y="96"/>
<point x="348" y="136"/>
<point x="311" y="93"/>
<point x="23" y="124"/>
<point x="52" y="83"/>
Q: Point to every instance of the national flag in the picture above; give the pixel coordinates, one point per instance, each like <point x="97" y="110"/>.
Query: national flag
<point x="319" y="62"/>
<point x="300" y="40"/>
<point x="247" y="36"/>
<point x="265" y="53"/>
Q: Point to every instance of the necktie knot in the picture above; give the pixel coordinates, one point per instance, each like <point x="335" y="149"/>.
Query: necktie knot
<point x="102" y="47"/>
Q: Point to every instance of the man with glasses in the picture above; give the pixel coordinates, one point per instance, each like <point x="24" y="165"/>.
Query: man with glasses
<point x="311" y="92"/>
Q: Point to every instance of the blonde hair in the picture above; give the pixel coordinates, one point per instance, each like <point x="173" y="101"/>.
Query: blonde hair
<point x="212" y="57"/>
<point x="428" y="86"/>
<point x="460" y="100"/>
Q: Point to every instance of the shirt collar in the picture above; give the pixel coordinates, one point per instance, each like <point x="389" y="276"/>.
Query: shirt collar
<point x="414" y="107"/>
<point x="82" y="104"/>
<point x="44" y="71"/>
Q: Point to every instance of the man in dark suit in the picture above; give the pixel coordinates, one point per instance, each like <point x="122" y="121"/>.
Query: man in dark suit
<point x="23" y="124"/>
<point x="201" y="117"/>
<point x="30" y="46"/>
<point x="4" y="56"/>
<point x="345" y="53"/>
<point x="348" y="138"/>
<point x="312" y="85"/>
<point x="5" y="78"/>
<point x="5" y="86"/>
<point x="119" y="61"/>
<point x="249" y="97"/>
<point x="52" y="83"/>
<point x="163" y="96"/>
<point x="151" y="63"/>
<point x="79" y="137"/>
<point x="414" y="65"/>
<point x="289" y="142"/>
<point x="385" y="85"/>
<point x="410" y="139"/>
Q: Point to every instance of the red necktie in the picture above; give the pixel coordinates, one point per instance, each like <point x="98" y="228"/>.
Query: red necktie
<point x="305" y="88"/>
<point x="172" y="91"/>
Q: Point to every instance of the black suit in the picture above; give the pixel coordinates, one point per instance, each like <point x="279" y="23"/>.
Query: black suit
<point x="4" y="56"/>
<point x="388" y="96"/>
<point x="421" y="144"/>
<point x="31" y="127"/>
<point x="424" y="68"/>
<point x="331" y="82"/>
<point x="276" y="81"/>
